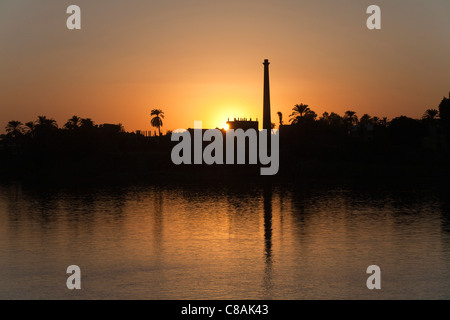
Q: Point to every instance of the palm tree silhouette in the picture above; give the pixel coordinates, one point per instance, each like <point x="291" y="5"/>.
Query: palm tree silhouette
<point x="298" y="111"/>
<point x="14" y="128"/>
<point x="44" y="122"/>
<point x="86" y="123"/>
<point x="280" y="117"/>
<point x="366" y="119"/>
<point x="73" y="123"/>
<point x="156" y="121"/>
<point x="350" y="119"/>
<point x="30" y="127"/>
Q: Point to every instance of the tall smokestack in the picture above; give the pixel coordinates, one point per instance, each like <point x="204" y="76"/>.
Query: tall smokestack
<point x="266" y="113"/>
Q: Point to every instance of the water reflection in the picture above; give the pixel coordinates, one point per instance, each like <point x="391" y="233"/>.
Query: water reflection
<point x="267" y="198"/>
<point x="158" y="218"/>
<point x="218" y="242"/>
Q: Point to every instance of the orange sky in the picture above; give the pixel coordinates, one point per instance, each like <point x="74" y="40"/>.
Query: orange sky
<point x="202" y="59"/>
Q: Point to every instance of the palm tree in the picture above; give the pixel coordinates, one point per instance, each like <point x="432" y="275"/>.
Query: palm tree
<point x="156" y="121"/>
<point x="73" y="123"/>
<point x="310" y="115"/>
<point x="299" y="111"/>
<point x="30" y="128"/>
<point x="280" y="117"/>
<point x="45" y="127"/>
<point x="365" y="119"/>
<point x="86" y="123"/>
<point x="44" y="122"/>
<point x="14" y="128"/>
<point x="350" y="119"/>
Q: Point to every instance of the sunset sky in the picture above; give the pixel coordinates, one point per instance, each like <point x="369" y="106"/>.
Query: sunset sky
<point x="202" y="59"/>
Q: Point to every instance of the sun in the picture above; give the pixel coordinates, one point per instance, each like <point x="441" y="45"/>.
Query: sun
<point x="226" y="126"/>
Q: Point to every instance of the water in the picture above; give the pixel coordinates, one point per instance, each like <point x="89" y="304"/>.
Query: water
<point x="224" y="242"/>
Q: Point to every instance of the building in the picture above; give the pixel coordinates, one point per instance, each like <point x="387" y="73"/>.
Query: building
<point x="243" y="123"/>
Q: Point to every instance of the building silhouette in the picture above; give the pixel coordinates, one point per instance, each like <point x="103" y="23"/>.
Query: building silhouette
<point x="243" y="123"/>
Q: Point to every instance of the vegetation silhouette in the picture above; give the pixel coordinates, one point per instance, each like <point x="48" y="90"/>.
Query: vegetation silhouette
<point x="156" y="121"/>
<point x="280" y="118"/>
<point x="430" y="114"/>
<point x="298" y="112"/>
<point x="73" y="123"/>
<point x="444" y="114"/>
<point x="325" y="147"/>
<point x="14" y="128"/>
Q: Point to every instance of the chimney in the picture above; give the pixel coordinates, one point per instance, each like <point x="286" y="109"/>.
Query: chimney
<point x="267" y="124"/>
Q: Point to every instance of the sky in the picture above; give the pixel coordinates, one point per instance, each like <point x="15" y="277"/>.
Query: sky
<point x="201" y="60"/>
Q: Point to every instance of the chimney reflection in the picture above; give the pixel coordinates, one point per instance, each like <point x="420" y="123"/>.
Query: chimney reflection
<point x="267" y="198"/>
<point x="267" y="195"/>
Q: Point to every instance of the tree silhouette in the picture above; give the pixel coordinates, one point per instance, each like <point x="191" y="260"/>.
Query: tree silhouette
<point x="14" y="128"/>
<point x="30" y="127"/>
<point x="366" y="122"/>
<point x="280" y="117"/>
<point x="365" y="119"/>
<point x="375" y="121"/>
<point x="298" y="111"/>
<point x="350" y="119"/>
<point x="156" y="121"/>
<point x="44" y="122"/>
<point x="444" y="108"/>
<point x="444" y="113"/>
<point x="86" y="123"/>
<point x="73" y="123"/>
<point x="332" y="120"/>
<point x="430" y="114"/>
<point x="310" y="115"/>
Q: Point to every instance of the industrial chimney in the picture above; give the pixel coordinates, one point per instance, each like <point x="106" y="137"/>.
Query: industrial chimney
<point x="267" y="124"/>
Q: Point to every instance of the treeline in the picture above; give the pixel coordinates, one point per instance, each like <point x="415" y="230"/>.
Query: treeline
<point x="365" y="146"/>
<point x="76" y="133"/>
<point x="304" y="117"/>
<point x="324" y="146"/>
<point x="80" y="147"/>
